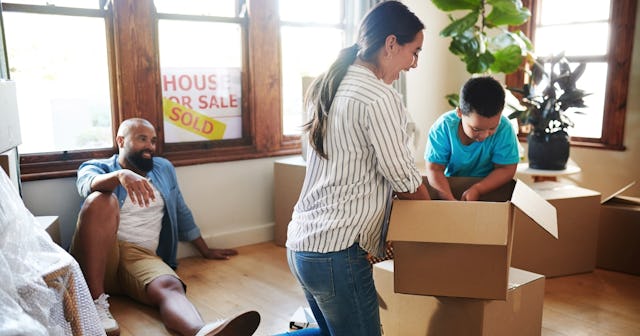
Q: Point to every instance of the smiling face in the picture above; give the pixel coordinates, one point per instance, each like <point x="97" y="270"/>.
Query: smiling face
<point x="137" y="143"/>
<point x="476" y="128"/>
<point x="397" y="57"/>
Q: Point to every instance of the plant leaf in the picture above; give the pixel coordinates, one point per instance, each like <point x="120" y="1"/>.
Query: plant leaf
<point x="507" y="60"/>
<point x="507" y="12"/>
<point x="451" y="5"/>
<point x="458" y="27"/>
<point x="453" y="99"/>
<point x="479" y="64"/>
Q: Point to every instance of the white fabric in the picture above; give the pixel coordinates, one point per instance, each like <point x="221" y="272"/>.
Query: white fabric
<point x="142" y="225"/>
<point x="343" y="198"/>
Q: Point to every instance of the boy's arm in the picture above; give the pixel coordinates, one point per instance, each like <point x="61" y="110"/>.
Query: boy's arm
<point x="435" y="175"/>
<point x="500" y="175"/>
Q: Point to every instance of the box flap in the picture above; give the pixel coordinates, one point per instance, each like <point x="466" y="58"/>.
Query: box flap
<point x="485" y="223"/>
<point x="623" y="189"/>
<point x="536" y="207"/>
<point x="519" y="277"/>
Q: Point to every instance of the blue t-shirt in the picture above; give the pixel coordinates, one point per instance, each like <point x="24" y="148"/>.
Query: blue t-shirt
<point x="476" y="159"/>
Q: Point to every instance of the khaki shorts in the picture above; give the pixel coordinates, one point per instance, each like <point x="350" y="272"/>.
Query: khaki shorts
<point x="130" y="268"/>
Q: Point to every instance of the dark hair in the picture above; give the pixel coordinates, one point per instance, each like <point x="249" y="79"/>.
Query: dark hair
<point x="385" y="19"/>
<point x="484" y="95"/>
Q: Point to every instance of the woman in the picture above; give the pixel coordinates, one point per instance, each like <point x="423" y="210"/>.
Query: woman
<point x="359" y="156"/>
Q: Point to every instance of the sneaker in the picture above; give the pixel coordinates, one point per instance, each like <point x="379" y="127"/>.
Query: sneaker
<point x="244" y="324"/>
<point x="108" y="322"/>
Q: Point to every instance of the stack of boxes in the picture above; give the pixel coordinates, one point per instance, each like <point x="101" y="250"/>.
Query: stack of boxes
<point x="469" y="268"/>
<point x="452" y="271"/>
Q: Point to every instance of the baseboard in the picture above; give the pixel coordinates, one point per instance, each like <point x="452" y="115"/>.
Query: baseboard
<point x="248" y="236"/>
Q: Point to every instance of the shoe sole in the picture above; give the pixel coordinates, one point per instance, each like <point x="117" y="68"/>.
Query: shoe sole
<point x="244" y="324"/>
<point x="113" y="332"/>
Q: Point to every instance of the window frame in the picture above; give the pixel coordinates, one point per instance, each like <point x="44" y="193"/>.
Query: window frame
<point x="619" y="57"/>
<point x="132" y="26"/>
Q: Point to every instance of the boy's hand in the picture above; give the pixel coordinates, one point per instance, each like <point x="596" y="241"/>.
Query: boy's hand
<point x="470" y="194"/>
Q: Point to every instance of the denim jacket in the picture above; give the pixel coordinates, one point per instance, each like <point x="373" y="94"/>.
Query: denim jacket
<point x="177" y="224"/>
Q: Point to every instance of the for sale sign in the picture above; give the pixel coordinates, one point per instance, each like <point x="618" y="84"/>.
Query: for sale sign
<point x="201" y="104"/>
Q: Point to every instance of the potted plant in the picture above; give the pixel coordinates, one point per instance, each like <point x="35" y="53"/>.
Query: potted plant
<point x="546" y="96"/>
<point x="481" y="37"/>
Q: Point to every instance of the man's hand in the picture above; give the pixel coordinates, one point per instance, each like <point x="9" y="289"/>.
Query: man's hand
<point x="219" y="254"/>
<point x="138" y="187"/>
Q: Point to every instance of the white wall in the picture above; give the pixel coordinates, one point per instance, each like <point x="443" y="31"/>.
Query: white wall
<point x="232" y="201"/>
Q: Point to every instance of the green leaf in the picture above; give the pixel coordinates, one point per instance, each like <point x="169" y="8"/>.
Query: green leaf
<point x="451" y="5"/>
<point x="479" y="64"/>
<point x="524" y="39"/>
<point x="507" y="60"/>
<point x="507" y="12"/>
<point x="453" y="99"/>
<point x="465" y="44"/>
<point x="458" y="27"/>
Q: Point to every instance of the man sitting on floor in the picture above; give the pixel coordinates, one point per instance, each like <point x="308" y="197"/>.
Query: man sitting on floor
<point x="128" y="231"/>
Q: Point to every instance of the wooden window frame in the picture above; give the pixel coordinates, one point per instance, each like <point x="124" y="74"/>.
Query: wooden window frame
<point x="132" y="39"/>
<point x="619" y="57"/>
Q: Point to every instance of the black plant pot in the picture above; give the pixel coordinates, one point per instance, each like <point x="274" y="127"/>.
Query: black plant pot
<point x="548" y="151"/>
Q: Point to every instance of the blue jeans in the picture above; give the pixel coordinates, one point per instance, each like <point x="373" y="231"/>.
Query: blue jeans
<point x="340" y="290"/>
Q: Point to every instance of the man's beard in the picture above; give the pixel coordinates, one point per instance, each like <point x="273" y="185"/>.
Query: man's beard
<point x="138" y="161"/>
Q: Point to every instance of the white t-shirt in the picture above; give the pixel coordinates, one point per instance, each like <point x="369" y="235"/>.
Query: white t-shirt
<point x="141" y="225"/>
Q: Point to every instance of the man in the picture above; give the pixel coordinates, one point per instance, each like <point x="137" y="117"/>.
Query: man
<point x="128" y="232"/>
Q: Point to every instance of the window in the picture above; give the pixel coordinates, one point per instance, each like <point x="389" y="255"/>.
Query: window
<point x="120" y="49"/>
<point x="201" y="62"/>
<point x="312" y="35"/>
<point x="62" y="83"/>
<point x="104" y="61"/>
<point x="600" y="34"/>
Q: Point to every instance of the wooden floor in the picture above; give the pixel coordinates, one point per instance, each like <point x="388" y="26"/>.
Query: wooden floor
<point x="601" y="303"/>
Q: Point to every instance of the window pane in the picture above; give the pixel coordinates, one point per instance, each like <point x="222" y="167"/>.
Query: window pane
<point x="225" y="8"/>
<point x="306" y="53"/>
<point x="311" y="11"/>
<point x="201" y="78"/>
<point x="572" y="11"/>
<point x="62" y="83"/>
<point x="576" y="40"/>
<point x="94" y="4"/>
<point x="594" y="80"/>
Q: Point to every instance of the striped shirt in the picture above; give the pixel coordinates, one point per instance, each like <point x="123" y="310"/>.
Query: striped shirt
<point x="343" y="198"/>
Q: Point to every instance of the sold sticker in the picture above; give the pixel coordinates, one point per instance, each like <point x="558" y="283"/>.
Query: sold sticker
<point x="192" y="121"/>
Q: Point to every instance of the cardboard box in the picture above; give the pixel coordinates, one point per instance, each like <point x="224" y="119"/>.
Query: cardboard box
<point x="578" y="211"/>
<point x="619" y="233"/>
<point x="417" y="315"/>
<point x="461" y="249"/>
<point x="288" y="177"/>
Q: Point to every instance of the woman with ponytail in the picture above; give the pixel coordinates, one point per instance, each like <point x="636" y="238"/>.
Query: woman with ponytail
<point x="358" y="157"/>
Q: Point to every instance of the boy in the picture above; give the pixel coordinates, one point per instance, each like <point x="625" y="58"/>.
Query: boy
<point x="473" y="140"/>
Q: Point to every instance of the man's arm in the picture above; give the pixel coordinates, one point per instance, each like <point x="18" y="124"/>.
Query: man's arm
<point x="435" y="175"/>
<point x="210" y="253"/>
<point x="137" y="187"/>
<point x="500" y="175"/>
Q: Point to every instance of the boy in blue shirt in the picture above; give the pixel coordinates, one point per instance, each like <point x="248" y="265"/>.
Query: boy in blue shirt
<point x="475" y="139"/>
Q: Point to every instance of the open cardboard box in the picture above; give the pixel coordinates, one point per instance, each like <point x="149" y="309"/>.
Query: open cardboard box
<point x="404" y="314"/>
<point x="619" y="232"/>
<point x="578" y="211"/>
<point x="461" y="249"/>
